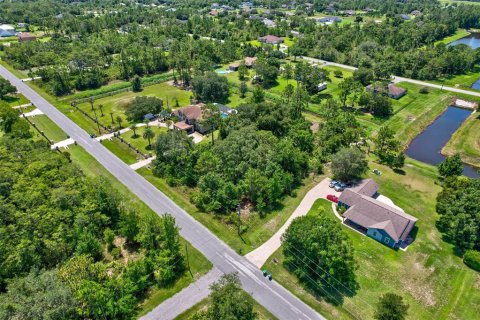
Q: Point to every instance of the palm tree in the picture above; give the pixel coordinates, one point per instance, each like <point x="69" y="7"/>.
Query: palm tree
<point x="134" y="128"/>
<point x="148" y="134"/>
<point x="119" y="121"/>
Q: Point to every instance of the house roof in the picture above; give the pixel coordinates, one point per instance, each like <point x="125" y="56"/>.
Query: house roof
<point x="269" y="38"/>
<point x="369" y="212"/>
<point x="394" y="90"/>
<point x="249" y="61"/>
<point x="367" y="187"/>
<point x="193" y="112"/>
<point x="182" y="125"/>
<point x="25" y="36"/>
<point x="7" y="27"/>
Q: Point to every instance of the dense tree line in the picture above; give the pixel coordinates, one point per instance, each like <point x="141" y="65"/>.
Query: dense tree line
<point x="71" y="240"/>
<point x="459" y="211"/>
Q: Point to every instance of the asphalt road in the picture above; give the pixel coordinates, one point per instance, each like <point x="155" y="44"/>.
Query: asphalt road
<point x="395" y="78"/>
<point x="276" y="299"/>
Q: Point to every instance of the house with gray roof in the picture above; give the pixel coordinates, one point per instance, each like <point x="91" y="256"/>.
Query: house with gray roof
<point x="385" y="223"/>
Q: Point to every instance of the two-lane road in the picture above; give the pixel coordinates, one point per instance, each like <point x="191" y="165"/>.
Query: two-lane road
<point x="395" y="78"/>
<point x="271" y="295"/>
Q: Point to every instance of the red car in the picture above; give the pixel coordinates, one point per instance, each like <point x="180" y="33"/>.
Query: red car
<point x="332" y="198"/>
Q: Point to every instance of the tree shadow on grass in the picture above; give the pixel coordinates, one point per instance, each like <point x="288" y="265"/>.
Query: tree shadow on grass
<point x="399" y="171"/>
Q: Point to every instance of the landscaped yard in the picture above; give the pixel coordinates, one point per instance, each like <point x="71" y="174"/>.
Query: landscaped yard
<point x="422" y="275"/>
<point x="116" y="104"/>
<point x="139" y="142"/>
<point x="466" y="141"/>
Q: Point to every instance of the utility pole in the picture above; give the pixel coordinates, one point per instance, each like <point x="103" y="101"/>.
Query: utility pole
<point x="188" y="260"/>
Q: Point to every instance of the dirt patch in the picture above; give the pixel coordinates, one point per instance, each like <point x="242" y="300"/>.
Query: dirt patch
<point x="127" y="255"/>
<point x="415" y="280"/>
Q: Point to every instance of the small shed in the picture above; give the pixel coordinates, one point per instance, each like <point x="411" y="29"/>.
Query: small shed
<point x="149" y="117"/>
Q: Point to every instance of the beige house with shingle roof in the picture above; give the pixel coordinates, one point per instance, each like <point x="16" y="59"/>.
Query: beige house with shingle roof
<point x="378" y="220"/>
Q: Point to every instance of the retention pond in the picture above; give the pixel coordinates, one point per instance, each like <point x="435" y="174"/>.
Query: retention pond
<point x="427" y="146"/>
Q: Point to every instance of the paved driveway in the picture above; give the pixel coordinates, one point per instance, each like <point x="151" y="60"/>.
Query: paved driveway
<point x="260" y="255"/>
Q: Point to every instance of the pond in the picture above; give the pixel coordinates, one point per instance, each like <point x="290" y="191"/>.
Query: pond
<point x="472" y="40"/>
<point x="426" y="147"/>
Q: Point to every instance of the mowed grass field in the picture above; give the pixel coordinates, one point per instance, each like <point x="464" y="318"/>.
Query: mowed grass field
<point x="466" y="141"/>
<point x="51" y="130"/>
<point x="433" y="281"/>
<point x="116" y="104"/>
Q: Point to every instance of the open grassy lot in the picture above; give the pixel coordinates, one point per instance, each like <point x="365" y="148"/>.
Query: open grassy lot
<point x="466" y="141"/>
<point x="116" y="104"/>
<point x="51" y="130"/>
<point x="259" y="229"/>
<point x="262" y="313"/>
<point x="433" y="281"/>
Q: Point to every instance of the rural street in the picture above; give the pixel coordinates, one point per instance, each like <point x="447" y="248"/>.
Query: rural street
<point x="395" y="78"/>
<point x="276" y="299"/>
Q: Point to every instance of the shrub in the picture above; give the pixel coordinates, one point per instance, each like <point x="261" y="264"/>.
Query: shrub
<point x="116" y="253"/>
<point x="423" y="90"/>
<point x="472" y="259"/>
<point x="338" y="74"/>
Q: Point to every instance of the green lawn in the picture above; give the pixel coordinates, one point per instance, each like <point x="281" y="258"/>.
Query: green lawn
<point x="122" y="151"/>
<point x="466" y="141"/>
<point x="459" y="34"/>
<point x="262" y="313"/>
<point x="51" y="130"/>
<point x="259" y="229"/>
<point x="463" y="81"/>
<point x="16" y="99"/>
<point x="77" y="117"/>
<point x="433" y="281"/>
<point x="116" y="104"/>
<point x="198" y="267"/>
<point x="139" y="142"/>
